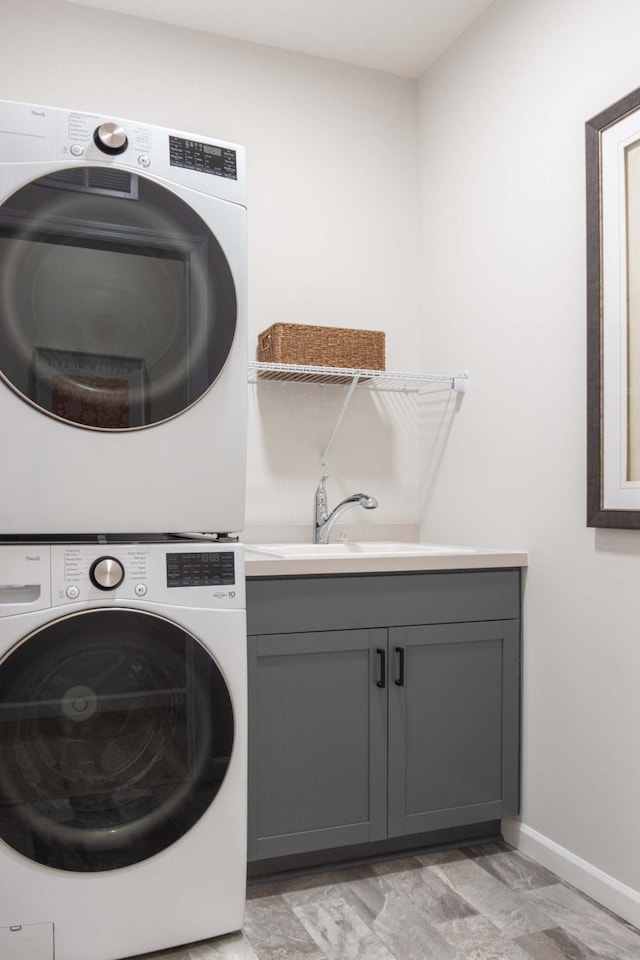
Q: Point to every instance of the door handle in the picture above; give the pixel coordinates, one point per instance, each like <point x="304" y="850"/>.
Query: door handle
<point x="382" y="653"/>
<point x="400" y="677"/>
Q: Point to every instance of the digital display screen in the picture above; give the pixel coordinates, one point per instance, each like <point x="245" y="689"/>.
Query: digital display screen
<point x="200" y="569"/>
<point x="203" y="157"/>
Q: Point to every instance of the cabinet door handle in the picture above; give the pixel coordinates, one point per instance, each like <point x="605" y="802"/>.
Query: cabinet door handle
<point x="382" y="653"/>
<point x="400" y="677"/>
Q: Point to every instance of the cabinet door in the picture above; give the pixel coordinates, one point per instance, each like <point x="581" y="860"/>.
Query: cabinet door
<point x="453" y="725"/>
<point x="317" y="741"/>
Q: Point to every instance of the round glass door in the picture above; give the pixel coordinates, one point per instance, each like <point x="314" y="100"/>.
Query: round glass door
<point x="117" y="303"/>
<point x="116" y="731"/>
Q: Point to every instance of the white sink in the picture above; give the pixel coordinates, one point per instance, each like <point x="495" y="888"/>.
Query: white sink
<point x="341" y="548"/>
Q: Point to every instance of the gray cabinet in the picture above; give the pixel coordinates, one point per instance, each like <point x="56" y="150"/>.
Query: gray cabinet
<point x="380" y="706"/>
<point x="318" y="742"/>
<point x="453" y="725"/>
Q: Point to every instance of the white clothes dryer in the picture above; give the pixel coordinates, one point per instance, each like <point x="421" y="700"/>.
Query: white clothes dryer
<point x="123" y="742"/>
<point x="123" y="340"/>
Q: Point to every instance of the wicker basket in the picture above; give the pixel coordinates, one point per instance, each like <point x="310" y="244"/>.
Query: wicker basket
<point x="308" y="345"/>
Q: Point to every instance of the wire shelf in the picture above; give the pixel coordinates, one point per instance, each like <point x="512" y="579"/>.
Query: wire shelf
<point x="381" y="380"/>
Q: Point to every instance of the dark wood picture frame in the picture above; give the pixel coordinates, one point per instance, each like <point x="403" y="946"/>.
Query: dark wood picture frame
<point x="622" y="508"/>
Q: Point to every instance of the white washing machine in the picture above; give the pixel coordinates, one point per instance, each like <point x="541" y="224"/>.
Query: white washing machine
<point x="122" y="326"/>
<point x="123" y="784"/>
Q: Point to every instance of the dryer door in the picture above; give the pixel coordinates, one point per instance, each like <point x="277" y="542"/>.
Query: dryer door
<point x="116" y="731"/>
<point x="117" y="303"/>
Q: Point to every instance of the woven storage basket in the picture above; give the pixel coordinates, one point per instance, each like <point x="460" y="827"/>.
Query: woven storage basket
<point x="308" y="345"/>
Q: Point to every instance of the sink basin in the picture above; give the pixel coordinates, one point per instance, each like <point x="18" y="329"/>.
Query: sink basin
<point x="340" y="549"/>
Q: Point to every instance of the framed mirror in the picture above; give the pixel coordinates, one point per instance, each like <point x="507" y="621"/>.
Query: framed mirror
<point x="613" y="315"/>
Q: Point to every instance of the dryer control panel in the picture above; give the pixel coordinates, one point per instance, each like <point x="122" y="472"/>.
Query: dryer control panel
<point x="32" y="132"/>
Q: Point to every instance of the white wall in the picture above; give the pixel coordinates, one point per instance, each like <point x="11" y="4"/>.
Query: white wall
<point x="332" y="187"/>
<point x="502" y="119"/>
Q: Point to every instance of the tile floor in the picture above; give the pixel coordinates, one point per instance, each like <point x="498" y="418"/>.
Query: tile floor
<point x="486" y="902"/>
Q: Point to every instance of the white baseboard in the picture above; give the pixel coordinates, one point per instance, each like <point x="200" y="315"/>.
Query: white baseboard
<point x="616" y="896"/>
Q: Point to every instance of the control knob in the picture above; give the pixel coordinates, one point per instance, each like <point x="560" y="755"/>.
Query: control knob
<point x="106" y="573"/>
<point x="110" y="138"/>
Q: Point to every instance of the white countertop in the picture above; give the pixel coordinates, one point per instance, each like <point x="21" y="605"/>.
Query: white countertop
<point x="265" y="564"/>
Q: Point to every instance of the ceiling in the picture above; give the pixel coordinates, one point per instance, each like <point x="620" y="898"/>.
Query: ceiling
<point x="397" y="36"/>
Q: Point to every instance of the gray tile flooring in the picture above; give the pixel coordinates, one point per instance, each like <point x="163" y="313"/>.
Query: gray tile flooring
<point x="487" y="902"/>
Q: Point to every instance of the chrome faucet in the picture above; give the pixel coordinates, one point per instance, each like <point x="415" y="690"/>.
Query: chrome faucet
<point x="323" y="520"/>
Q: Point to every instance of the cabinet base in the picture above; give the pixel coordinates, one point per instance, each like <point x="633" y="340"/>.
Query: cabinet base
<point x="380" y="850"/>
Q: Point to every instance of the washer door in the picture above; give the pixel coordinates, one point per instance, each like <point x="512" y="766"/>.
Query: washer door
<point x="116" y="731"/>
<point x="117" y="303"/>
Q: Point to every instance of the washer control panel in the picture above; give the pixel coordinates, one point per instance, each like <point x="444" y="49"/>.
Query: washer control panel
<point x="194" y="574"/>
<point x="207" y="575"/>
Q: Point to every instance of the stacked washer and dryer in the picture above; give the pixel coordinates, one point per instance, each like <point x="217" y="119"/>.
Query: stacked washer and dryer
<point x="122" y="606"/>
